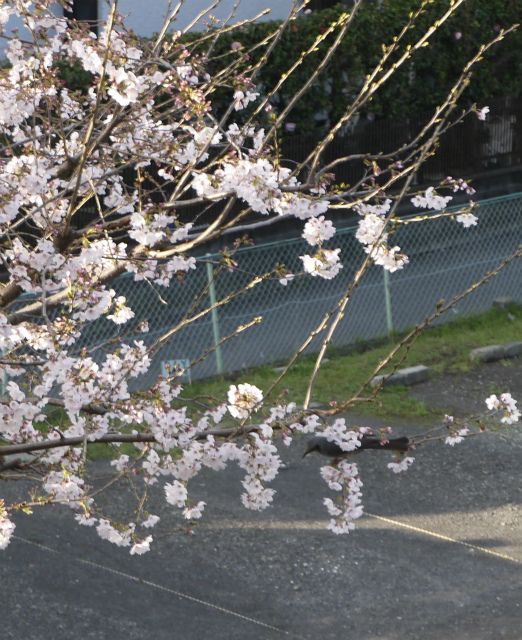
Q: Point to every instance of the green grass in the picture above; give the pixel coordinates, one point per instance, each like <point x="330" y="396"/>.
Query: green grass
<point x="100" y="451"/>
<point x="444" y="348"/>
<point x="57" y="417"/>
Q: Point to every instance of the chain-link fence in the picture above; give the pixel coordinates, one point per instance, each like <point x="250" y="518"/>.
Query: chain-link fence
<point x="445" y="259"/>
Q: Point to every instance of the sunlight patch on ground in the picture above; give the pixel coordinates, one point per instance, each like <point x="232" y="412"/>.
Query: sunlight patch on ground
<point x="372" y="521"/>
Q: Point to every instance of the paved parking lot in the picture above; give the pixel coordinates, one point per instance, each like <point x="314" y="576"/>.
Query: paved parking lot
<point x="440" y="557"/>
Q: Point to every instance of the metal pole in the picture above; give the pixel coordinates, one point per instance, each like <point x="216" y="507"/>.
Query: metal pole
<point x="214" y="316"/>
<point x="387" y="302"/>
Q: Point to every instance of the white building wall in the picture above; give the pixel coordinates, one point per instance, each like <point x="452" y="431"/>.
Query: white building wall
<point x="146" y="17"/>
<point x="16" y="23"/>
<point x="12" y="23"/>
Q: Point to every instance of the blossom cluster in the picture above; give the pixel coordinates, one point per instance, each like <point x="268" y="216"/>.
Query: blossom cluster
<point x="403" y="464"/>
<point x="243" y="399"/>
<point x="95" y="184"/>
<point x="456" y="436"/>
<point x="338" y="433"/>
<point x="372" y="234"/>
<point x="7" y="527"/>
<point x="432" y="200"/>
<point x="505" y="404"/>
<point x="267" y="189"/>
<point x="343" y="478"/>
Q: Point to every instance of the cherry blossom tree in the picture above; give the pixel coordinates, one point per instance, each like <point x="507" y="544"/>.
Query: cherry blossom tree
<point x="148" y="112"/>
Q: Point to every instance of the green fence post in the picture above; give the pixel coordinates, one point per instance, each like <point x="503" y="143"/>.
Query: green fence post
<point x="214" y="315"/>
<point x="388" y="302"/>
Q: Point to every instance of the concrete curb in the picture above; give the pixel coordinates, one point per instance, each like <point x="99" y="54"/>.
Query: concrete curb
<point x="503" y="302"/>
<point x="407" y="377"/>
<point x="496" y="352"/>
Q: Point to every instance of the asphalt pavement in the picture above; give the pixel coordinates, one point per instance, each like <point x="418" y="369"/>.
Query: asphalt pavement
<point x="438" y="556"/>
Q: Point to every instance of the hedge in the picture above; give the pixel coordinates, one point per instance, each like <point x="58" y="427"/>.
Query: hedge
<point x="417" y="87"/>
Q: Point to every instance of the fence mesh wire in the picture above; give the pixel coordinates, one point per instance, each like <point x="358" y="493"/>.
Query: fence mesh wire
<point x="445" y="259"/>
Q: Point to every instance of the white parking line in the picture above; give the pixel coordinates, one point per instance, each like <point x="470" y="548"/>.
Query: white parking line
<point x="160" y="587"/>
<point x="364" y="523"/>
<point x="440" y="536"/>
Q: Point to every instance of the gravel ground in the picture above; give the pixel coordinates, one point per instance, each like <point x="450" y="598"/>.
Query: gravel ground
<point x="464" y="394"/>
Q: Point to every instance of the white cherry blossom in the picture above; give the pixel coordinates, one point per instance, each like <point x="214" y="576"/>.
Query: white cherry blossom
<point x="431" y="200"/>
<point x="402" y="465"/>
<point x="243" y="399"/>
<point x="317" y="230"/>
<point x="325" y="263"/>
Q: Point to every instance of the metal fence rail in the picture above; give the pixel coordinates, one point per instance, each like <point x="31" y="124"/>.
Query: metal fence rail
<point x="445" y="259"/>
